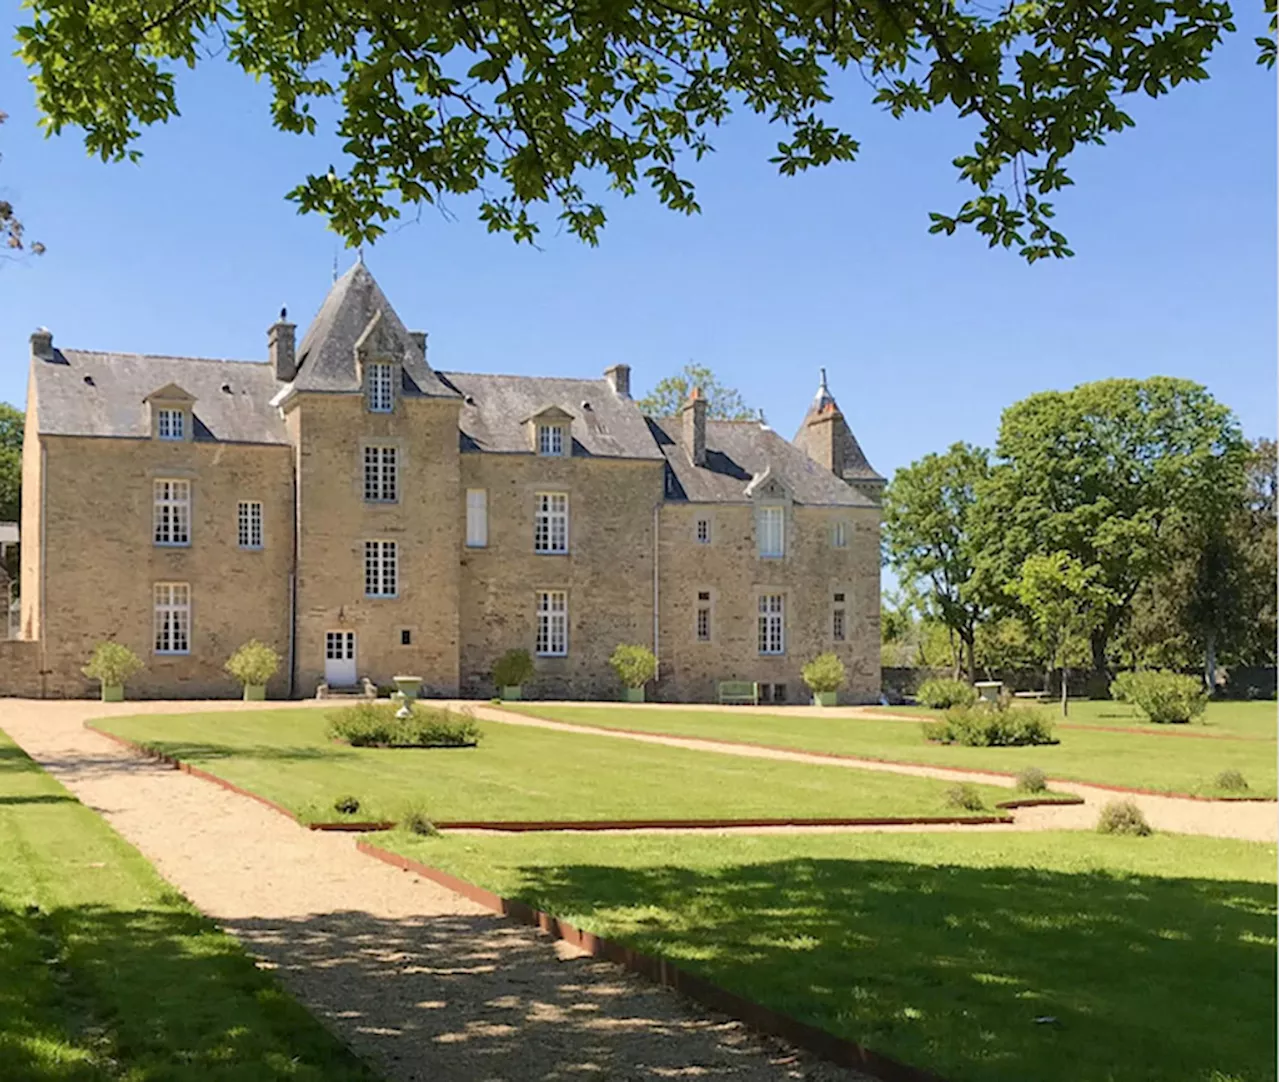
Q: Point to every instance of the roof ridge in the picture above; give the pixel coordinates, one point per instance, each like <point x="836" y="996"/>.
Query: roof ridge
<point x="513" y="375"/>
<point x="161" y="356"/>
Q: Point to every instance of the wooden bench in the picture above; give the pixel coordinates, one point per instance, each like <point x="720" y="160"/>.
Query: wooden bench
<point x="738" y="692"/>
<point x="1030" y="694"/>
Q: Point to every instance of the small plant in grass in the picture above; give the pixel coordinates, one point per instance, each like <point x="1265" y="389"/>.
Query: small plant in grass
<point x="635" y="666"/>
<point x="941" y="694"/>
<point x="825" y="676"/>
<point x="1123" y="817"/>
<point x="1231" y="781"/>
<point x="416" y="821"/>
<point x="253" y="664"/>
<point x="346" y="805"/>
<point x="964" y="796"/>
<point x="365" y="725"/>
<point x="991" y="725"/>
<point x="513" y="669"/>
<point x="1031" y="780"/>
<point x="112" y="663"/>
<point x="1167" y="698"/>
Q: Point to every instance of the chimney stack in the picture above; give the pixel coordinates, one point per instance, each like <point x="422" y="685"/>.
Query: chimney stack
<point x="619" y="377"/>
<point x="693" y="419"/>
<point x="420" y="337"/>
<point x="280" y="348"/>
<point x="42" y="344"/>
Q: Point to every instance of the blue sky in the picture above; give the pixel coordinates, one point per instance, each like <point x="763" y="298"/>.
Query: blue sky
<point x="925" y="339"/>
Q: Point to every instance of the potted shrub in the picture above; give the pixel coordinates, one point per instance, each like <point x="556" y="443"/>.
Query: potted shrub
<point x="635" y="666"/>
<point x="511" y="671"/>
<point x="112" y="664"/>
<point x="253" y="665"/>
<point x="825" y="677"/>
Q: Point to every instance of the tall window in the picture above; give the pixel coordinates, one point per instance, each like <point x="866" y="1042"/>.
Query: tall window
<point x="703" y="621"/>
<point x="477" y="518"/>
<point x="381" y="466"/>
<point x="551" y="439"/>
<point x="770" y="531"/>
<point x="249" y="524"/>
<point x="173" y="618"/>
<point x="172" y="512"/>
<point x="381" y="578"/>
<point x="837" y="618"/>
<point x="840" y="534"/>
<point x="551" y="522"/>
<point x="553" y="624"/>
<point x="702" y="531"/>
<point x="381" y="391"/>
<point x="771" y="624"/>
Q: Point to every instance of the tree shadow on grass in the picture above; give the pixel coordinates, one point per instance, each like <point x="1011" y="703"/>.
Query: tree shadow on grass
<point x="949" y="968"/>
<point x="41" y="798"/>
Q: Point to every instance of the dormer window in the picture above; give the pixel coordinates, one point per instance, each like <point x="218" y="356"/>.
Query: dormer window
<point x="171" y="424"/>
<point x="549" y="432"/>
<point x="381" y="388"/>
<point x="551" y="440"/>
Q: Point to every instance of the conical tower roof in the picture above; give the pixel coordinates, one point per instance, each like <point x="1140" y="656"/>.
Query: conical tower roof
<point x="848" y="459"/>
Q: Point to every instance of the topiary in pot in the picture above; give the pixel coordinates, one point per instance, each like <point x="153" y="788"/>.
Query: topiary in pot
<point x="825" y="677"/>
<point x="112" y="663"/>
<point x="253" y="664"/>
<point x="511" y="672"/>
<point x="635" y="666"/>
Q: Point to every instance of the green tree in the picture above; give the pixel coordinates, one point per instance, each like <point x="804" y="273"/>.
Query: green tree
<point x="12" y="233"/>
<point x="1112" y="473"/>
<point x="928" y="540"/>
<point x="1065" y="599"/>
<point x="670" y="394"/>
<point x="11" y="420"/>
<point x="531" y="103"/>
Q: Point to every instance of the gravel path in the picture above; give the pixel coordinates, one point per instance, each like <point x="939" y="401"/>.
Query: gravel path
<point x="423" y="983"/>
<point x="1249" y="820"/>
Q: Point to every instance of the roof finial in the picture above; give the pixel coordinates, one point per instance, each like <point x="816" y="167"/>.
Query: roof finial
<point x="822" y="386"/>
<point x="360" y="255"/>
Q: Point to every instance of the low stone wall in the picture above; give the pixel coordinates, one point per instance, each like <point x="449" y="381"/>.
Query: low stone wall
<point x="20" y="668"/>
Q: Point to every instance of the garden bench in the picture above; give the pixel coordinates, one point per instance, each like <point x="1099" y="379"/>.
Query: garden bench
<point x="738" y="691"/>
<point x="1030" y="694"/>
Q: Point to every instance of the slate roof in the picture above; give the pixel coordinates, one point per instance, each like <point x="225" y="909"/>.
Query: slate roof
<point x="738" y="451"/>
<point x="495" y="409"/>
<point x="855" y="462"/>
<point x="87" y="393"/>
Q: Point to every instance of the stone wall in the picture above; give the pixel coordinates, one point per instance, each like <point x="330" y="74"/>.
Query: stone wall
<point x="20" y="669"/>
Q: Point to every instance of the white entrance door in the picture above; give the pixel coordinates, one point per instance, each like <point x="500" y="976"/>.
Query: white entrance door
<point x="340" y="658"/>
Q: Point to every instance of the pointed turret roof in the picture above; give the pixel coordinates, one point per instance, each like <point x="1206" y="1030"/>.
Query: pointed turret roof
<point x="355" y="307"/>
<point x="850" y="461"/>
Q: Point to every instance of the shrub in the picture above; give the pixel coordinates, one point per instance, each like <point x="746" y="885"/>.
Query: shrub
<point x="254" y="663"/>
<point x="514" y="668"/>
<point x="989" y="725"/>
<point x="965" y="796"/>
<point x="1031" y="780"/>
<point x="940" y="694"/>
<point x="1167" y="697"/>
<point x="112" y="663"/>
<point x="1123" y="817"/>
<point x="824" y="673"/>
<point x="366" y="725"/>
<point x="635" y="665"/>
<point x="416" y="821"/>
<point x="1122" y="686"/>
<point x="346" y="805"/>
<point x="1231" y="781"/>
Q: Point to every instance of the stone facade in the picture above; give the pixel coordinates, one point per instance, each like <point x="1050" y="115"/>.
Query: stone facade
<point x="659" y="514"/>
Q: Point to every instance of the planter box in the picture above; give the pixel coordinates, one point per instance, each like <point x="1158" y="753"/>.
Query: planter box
<point x="255" y="693"/>
<point x="513" y="694"/>
<point x="824" y="698"/>
<point x="113" y="693"/>
<point x="633" y="695"/>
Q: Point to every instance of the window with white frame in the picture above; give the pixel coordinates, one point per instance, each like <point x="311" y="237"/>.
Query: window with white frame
<point x="551" y="522"/>
<point x="840" y="534"/>
<point x="172" y="512"/>
<point x="249" y="524"/>
<point x="381" y="389"/>
<point x="477" y="518"/>
<point x="702" y="623"/>
<point x="172" y="618"/>
<point x="772" y="623"/>
<point x="381" y="576"/>
<point x="771" y="531"/>
<point x="702" y="531"/>
<point x="553" y="624"/>
<point x="170" y="424"/>
<point x="551" y="439"/>
<point x="381" y="474"/>
<point x="838" y="618"/>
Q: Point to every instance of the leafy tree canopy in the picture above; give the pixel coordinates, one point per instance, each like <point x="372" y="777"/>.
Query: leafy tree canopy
<point x="528" y="102"/>
<point x="10" y="461"/>
<point x="12" y="233"/>
<point x="671" y="393"/>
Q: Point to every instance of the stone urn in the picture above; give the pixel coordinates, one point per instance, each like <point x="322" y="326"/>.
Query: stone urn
<point x="408" y="686"/>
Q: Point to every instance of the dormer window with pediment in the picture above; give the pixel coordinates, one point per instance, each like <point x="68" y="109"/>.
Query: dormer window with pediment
<point x="550" y="432"/>
<point x="170" y="413"/>
<point x="379" y="360"/>
<point x="771" y="499"/>
<point x="380" y="387"/>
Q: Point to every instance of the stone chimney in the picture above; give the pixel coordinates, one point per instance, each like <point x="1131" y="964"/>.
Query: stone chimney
<point x="619" y="377"/>
<point x="280" y="348"/>
<point x="420" y="338"/>
<point x="693" y="420"/>
<point x="42" y="344"/>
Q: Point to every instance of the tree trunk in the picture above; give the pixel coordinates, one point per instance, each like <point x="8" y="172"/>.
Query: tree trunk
<point x="1211" y="660"/>
<point x="1098" y="646"/>
<point x="1064" y="691"/>
<point x="967" y="638"/>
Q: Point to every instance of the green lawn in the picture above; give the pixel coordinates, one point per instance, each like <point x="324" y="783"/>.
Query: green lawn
<point x="520" y="773"/>
<point x="1156" y="956"/>
<point x="1174" y="764"/>
<point x="107" y="974"/>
